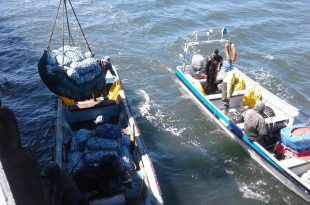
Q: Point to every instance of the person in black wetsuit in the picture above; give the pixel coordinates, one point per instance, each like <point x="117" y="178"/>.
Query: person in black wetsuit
<point x="106" y="65"/>
<point x="214" y="64"/>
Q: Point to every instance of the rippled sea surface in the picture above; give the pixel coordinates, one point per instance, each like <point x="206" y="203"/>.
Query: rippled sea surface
<point x="195" y="161"/>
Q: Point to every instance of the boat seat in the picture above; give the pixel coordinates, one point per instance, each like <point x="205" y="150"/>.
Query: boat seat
<point x="275" y="119"/>
<point x="268" y="120"/>
<point x="293" y="162"/>
<point x="219" y="95"/>
<point x="82" y="105"/>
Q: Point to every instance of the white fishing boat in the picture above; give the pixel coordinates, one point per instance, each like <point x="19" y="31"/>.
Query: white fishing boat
<point x="97" y="143"/>
<point x="285" y="156"/>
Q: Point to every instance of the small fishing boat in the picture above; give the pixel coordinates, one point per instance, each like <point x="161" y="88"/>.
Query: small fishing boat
<point x="97" y="143"/>
<point x="139" y="184"/>
<point x="285" y="154"/>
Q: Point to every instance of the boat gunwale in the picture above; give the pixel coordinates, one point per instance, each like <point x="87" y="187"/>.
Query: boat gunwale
<point x="145" y="158"/>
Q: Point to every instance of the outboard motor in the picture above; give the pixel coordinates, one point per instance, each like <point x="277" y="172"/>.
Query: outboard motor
<point x="198" y="63"/>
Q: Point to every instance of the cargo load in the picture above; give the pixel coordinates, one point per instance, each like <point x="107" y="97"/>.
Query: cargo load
<point x="296" y="138"/>
<point x="70" y="73"/>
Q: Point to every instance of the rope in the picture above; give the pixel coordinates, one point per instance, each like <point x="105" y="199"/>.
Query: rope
<point x="65" y="12"/>
<point x="63" y="34"/>
<point x="68" y="25"/>
<point x="49" y="42"/>
<point x="81" y="28"/>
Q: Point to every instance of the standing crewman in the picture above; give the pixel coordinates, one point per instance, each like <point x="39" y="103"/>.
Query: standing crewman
<point x="230" y="80"/>
<point x="214" y="64"/>
<point x="254" y="124"/>
<point x="106" y="65"/>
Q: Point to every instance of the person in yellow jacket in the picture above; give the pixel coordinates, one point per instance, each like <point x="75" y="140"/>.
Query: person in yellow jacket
<point x="230" y="80"/>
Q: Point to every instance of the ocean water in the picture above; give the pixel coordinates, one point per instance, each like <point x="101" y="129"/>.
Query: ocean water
<point x="195" y="161"/>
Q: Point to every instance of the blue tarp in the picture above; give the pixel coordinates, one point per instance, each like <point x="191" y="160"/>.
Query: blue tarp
<point x="300" y="143"/>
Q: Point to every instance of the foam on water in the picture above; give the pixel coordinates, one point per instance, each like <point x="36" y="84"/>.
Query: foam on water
<point x="157" y="116"/>
<point x="269" y="57"/>
<point x="252" y="191"/>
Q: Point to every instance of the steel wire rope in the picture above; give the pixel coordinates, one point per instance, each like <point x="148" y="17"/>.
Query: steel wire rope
<point x="68" y="25"/>
<point x="55" y="19"/>
<point x="63" y="34"/>
<point x="81" y="28"/>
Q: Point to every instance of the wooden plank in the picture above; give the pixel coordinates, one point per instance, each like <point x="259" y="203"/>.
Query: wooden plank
<point x="90" y="104"/>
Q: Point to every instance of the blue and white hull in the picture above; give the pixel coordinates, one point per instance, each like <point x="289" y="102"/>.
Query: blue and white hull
<point x="288" y="171"/>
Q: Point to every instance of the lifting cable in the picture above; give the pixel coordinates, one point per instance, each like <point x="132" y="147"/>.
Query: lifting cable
<point x="81" y="29"/>
<point x="63" y="34"/>
<point x="55" y="19"/>
<point x="68" y="26"/>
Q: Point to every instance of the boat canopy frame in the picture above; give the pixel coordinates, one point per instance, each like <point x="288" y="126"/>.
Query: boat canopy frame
<point x="190" y="44"/>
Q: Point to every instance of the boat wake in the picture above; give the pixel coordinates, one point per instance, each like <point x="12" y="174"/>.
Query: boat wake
<point x="157" y="116"/>
<point x="253" y="191"/>
<point x="146" y="106"/>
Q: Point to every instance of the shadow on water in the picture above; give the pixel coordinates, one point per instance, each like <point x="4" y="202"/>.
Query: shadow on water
<point x="23" y="91"/>
<point x="20" y="167"/>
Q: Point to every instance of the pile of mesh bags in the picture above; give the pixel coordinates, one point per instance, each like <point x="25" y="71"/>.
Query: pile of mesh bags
<point x="91" y="149"/>
<point x="70" y="72"/>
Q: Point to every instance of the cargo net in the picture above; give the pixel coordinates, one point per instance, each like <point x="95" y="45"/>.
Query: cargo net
<point x="72" y="73"/>
<point x="89" y="149"/>
<point x="67" y="70"/>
